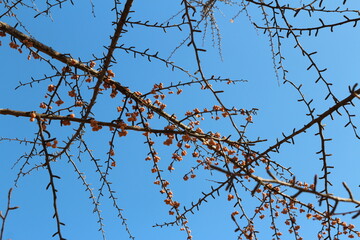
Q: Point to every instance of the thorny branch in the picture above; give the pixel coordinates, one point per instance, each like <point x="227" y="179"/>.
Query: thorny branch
<point x="4" y="217"/>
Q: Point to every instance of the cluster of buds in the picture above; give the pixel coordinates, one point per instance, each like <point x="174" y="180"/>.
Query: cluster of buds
<point x="94" y="125"/>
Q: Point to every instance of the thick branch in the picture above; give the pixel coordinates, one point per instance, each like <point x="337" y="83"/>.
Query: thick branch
<point x="46" y="49"/>
<point x="115" y="124"/>
<point x="310" y="124"/>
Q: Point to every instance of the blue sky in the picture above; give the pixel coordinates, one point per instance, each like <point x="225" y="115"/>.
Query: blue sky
<point x="245" y="55"/>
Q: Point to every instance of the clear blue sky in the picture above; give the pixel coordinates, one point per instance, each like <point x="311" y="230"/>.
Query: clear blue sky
<point x="246" y="55"/>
